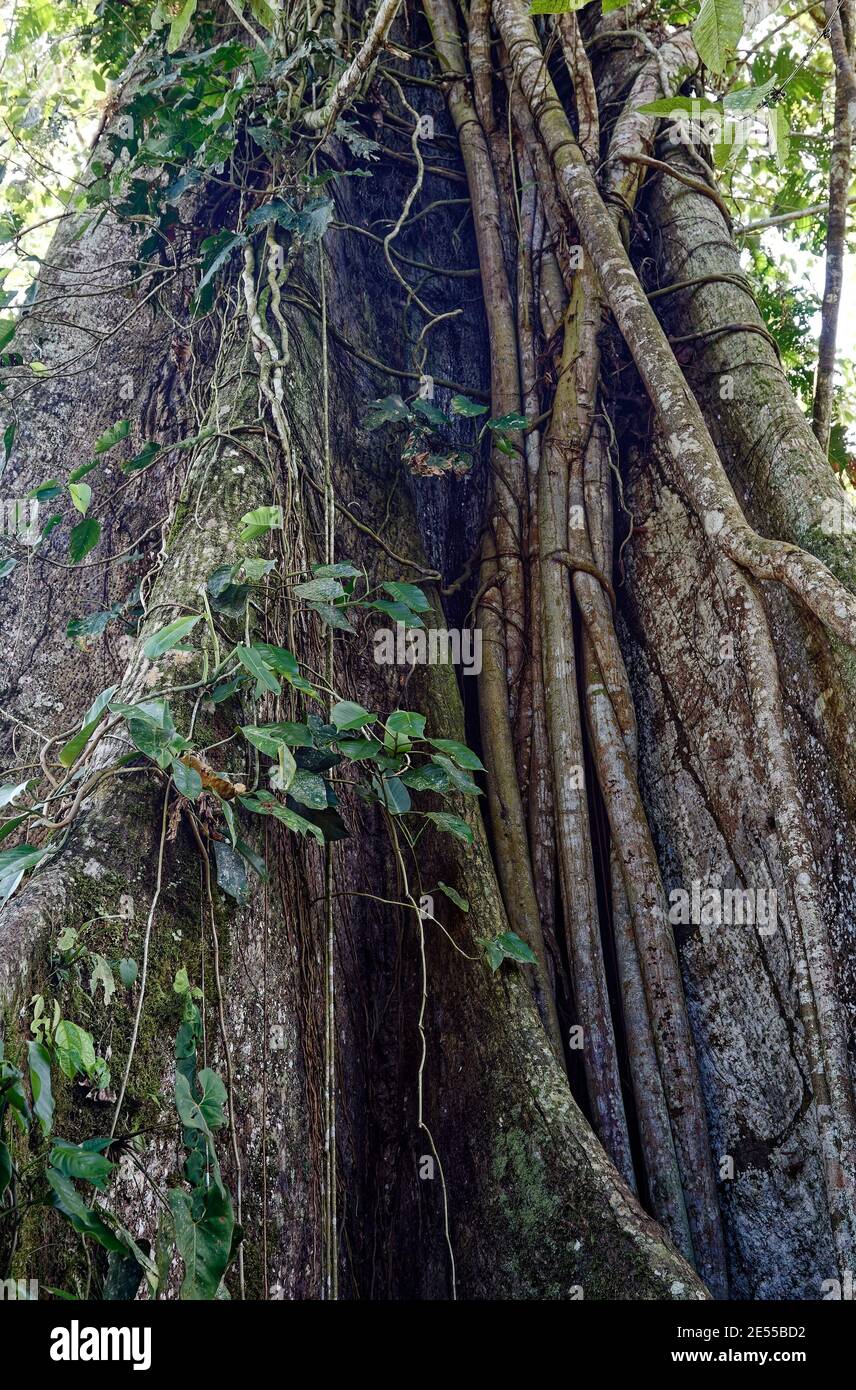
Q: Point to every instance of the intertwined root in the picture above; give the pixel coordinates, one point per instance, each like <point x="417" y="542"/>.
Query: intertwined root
<point x="550" y="537"/>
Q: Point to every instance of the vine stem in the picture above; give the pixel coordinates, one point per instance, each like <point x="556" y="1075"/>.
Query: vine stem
<point x="227" y="1051"/>
<point x="346" y="87"/>
<point x="145" y="969"/>
<point x="423" y="1044"/>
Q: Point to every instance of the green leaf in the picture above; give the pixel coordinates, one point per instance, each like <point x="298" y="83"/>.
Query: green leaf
<point x="461" y="781"/>
<point x="251" y="660"/>
<point x="39" y="1065"/>
<point x="92" y="625"/>
<point x="255" y="861"/>
<point x="84" y="1220"/>
<point x="112" y="436"/>
<point x="10" y="792"/>
<point x="81" y="496"/>
<point x="396" y="797"/>
<point x="179" y="26"/>
<point x="71" y="751"/>
<point x="314" y="218"/>
<point x="691" y="106"/>
<point x="426" y="779"/>
<point x="308" y="789"/>
<point x="429" y="412"/>
<point x="150" y="727"/>
<point x="84" y="537"/>
<point x="359" y="748"/>
<point x="459" y="752"/>
<point x="207" y="1113"/>
<point x="82" y="1161"/>
<point x="216" y="251"/>
<point x="455" y="896"/>
<point x="8" y="328"/>
<point x="390" y="410"/>
<point x="203" y="1235"/>
<point x="266" y="805"/>
<point x="452" y="824"/>
<point x="409" y="594"/>
<point x="333" y="617"/>
<point x="319" y="590"/>
<point x="10" y="826"/>
<point x="779" y="134"/>
<point x="259" y="522"/>
<point x="5" y="1167"/>
<point x="81" y="472"/>
<point x="283" y="662"/>
<point x="508" y="946"/>
<point x="231" y="872"/>
<point x="348" y="715"/>
<point x="167" y="637"/>
<point x="282" y="775"/>
<point x="254" y="570"/>
<point x="462" y="405"/>
<point x="124" y="1274"/>
<point x="266" y="742"/>
<point x="399" y="612"/>
<point x="267" y="737"/>
<point x="102" y="975"/>
<point x="46" y="492"/>
<point x="226" y="596"/>
<point x="263" y="13"/>
<point x="402" y="728"/>
<point x="343" y="569"/>
<point x="142" y="460"/>
<point x="14" y="863"/>
<point x="186" y="778"/>
<point x="75" y="1050"/>
<point x="748" y="98"/>
<point x="128" y="971"/>
<point x="716" y="32"/>
<point x="513" y="420"/>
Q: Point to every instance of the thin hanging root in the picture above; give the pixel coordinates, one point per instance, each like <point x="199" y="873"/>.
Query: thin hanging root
<point x="421" y="1122"/>
<point x="707" y="485"/>
<point x="502" y="643"/>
